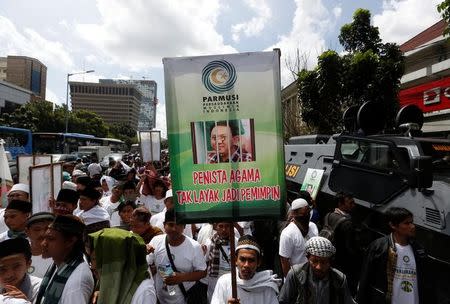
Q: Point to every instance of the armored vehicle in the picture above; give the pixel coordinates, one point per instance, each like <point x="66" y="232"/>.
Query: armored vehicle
<point x="381" y="171"/>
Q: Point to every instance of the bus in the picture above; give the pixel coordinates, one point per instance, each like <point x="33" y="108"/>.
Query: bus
<point x="65" y="143"/>
<point x="116" y="145"/>
<point x="17" y="141"/>
<point x="62" y="143"/>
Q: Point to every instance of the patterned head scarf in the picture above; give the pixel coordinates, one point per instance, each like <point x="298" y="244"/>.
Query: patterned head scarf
<point x="320" y="246"/>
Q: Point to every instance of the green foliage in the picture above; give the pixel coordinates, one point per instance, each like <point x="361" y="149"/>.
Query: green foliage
<point x="369" y="71"/>
<point x="444" y="9"/>
<point x="44" y="116"/>
<point x="123" y="132"/>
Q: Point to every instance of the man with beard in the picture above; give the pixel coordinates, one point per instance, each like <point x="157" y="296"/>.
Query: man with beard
<point x="293" y="238"/>
<point x="186" y="260"/>
<point x="316" y="282"/>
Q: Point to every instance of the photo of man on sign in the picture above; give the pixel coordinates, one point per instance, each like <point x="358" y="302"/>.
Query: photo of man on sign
<point x="223" y="141"/>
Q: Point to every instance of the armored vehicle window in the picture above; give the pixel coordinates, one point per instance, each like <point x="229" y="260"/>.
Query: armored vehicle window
<point x="373" y="154"/>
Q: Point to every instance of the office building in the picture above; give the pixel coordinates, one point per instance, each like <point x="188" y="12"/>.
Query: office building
<point x="114" y="102"/>
<point x="147" y="112"/>
<point x="25" y="72"/>
<point x="426" y="82"/>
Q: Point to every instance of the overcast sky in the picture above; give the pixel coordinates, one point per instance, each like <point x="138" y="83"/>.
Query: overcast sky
<point x="128" y="38"/>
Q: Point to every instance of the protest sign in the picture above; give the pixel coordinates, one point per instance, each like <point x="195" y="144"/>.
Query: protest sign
<point x="225" y="136"/>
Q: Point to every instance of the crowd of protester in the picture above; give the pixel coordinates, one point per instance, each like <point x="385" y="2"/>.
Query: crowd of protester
<point x="112" y="237"/>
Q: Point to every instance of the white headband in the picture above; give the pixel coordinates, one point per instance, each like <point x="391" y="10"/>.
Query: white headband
<point x="248" y="246"/>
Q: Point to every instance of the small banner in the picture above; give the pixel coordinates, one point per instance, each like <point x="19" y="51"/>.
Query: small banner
<point x="225" y="136"/>
<point x="312" y="180"/>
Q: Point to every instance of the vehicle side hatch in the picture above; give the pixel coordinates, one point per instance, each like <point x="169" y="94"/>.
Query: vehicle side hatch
<point x="373" y="170"/>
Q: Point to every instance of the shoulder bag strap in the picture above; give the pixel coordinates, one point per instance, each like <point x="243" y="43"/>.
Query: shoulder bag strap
<point x="224" y="254"/>
<point x="169" y="254"/>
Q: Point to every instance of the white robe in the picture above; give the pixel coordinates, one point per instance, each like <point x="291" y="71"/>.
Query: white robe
<point x="261" y="289"/>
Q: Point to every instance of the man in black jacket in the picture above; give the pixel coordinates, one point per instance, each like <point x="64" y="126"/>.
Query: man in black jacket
<point x="394" y="267"/>
<point x="316" y="281"/>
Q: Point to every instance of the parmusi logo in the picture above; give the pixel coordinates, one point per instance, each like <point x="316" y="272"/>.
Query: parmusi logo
<point x="219" y="76"/>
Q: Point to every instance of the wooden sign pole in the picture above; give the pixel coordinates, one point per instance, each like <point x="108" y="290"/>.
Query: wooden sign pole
<point x="233" y="263"/>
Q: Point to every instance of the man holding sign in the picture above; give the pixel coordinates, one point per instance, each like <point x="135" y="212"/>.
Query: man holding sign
<point x="253" y="287"/>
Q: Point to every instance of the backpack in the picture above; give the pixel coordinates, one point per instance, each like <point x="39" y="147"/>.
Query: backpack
<point x="329" y="227"/>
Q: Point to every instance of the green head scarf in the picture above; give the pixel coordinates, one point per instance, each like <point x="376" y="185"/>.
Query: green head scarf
<point x="120" y="258"/>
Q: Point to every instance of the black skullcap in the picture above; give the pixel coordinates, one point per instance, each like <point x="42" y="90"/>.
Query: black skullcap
<point x="68" y="196"/>
<point x="40" y="217"/>
<point x="15" y="246"/>
<point x="22" y="206"/>
<point x="90" y="192"/>
<point x="170" y="216"/>
<point x="68" y="225"/>
<point x="83" y="180"/>
<point x="95" y="183"/>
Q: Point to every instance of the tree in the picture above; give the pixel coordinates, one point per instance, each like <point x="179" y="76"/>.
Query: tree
<point x="123" y="132"/>
<point x="369" y="71"/>
<point x="444" y="9"/>
<point x="44" y="116"/>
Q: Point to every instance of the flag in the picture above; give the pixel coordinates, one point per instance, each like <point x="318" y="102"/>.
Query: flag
<point x="5" y="175"/>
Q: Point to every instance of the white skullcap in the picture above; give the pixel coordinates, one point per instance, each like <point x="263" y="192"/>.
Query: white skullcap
<point x="69" y="185"/>
<point x="77" y="172"/>
<point x="299" y="203"/>
<point x="320" y="246"/>
<point x="20" y="187"/>
<point x="169" y="193"/>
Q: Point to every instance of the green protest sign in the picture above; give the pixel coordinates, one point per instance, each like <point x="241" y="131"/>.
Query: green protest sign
<point x="225" y="136"/>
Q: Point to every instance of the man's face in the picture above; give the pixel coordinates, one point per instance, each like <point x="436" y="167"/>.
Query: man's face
<point x="137" y="226"/>
<point x="63" y="208"/>
<point x="223" y="230"/>
<point x="117" y="192"/>
<point x="36" y="231"/>
<point x="15" y="219"/>
<point x="13" y="269"/>
<point x="222" y="140"/>
<point x="129" y="194"/>
<point x="348" y="205"/>
<point x="86" y="203"/>
<point x="405" y="228"/>
<point x="55" y="245"/>
<point x="319" y="266"/>
<point x="247" y="262"/>
<point x="169" y="203"/>
<point x="125" y="214"/>
<point x="173" y="230"/>
<point x="17" y="195"/>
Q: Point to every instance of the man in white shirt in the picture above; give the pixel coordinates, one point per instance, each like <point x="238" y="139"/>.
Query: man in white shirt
<point x="18" y="192"/>
<point x="293" y="238"/>
<point x="157" y="220"/>
<point x="15" y="260"/>
<point x="16" y="215"/>
<point x="395" y="266"/>
<point x="252" y="287"/>
<point x="93" y="215"/>
<point x="94" y="169"/>
<point x="69" y="280"/>
<point x="187" y="256"/>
